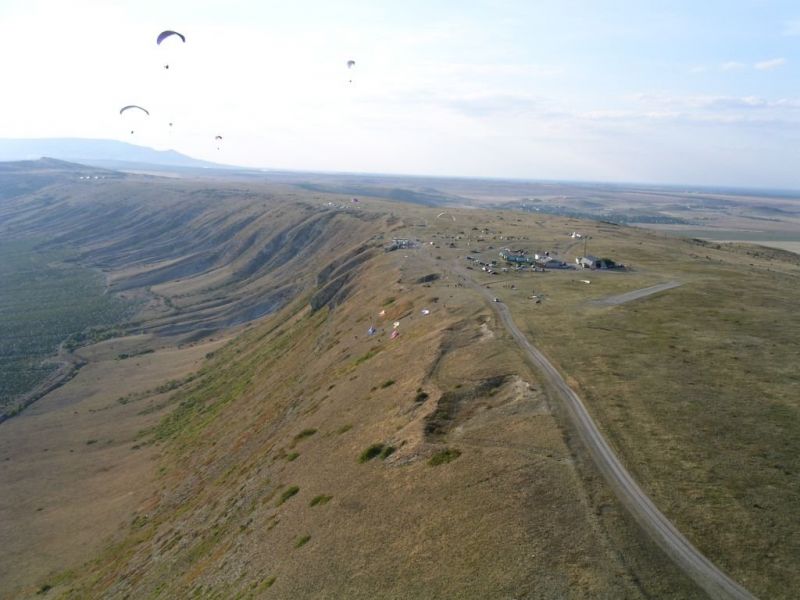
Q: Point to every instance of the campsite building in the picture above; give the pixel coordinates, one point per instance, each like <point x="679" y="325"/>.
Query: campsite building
<point x="592" y="262"/>
<point x="515" y="256"/>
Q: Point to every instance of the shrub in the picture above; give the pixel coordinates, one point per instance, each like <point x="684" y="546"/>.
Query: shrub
<point x="302" y="541"/>
<point x="421" y="396"/>
<point x="266" y="584"/>
<point x="344" y="429"/>
<point x="292" y="456"/>
<point x="288" y="493"/>
<point x="320" y="500"/>
<point x="387" y="452"/>
<point x="366" y="357"/>
<point x="444" y="456"/>
<point x="370" y="453"/>
<point x="304" y="434"/>
<point x="387" y="383"/>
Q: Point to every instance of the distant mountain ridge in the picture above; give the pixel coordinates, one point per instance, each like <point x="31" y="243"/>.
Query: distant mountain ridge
<point x="104" y="153"/>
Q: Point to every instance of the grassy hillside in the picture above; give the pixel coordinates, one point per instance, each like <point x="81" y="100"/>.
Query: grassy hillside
<point x="314" y="461"/>
<point x="306" y="458"/>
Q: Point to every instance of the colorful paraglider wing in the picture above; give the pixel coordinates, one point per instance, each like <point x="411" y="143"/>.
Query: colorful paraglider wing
<point x="165" y="34"/>
<point x="130" y="106"/>
<point x="396" y="324"/>
<point x="395" y="333"/>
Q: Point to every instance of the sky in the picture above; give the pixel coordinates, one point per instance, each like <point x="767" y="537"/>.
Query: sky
<point x="680" y="92"/>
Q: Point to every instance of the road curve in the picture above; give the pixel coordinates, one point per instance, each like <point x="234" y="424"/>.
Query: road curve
<point x="688" y="558"/>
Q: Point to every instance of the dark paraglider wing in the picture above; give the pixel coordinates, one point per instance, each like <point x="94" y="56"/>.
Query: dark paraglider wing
<point x="165" y="34"/>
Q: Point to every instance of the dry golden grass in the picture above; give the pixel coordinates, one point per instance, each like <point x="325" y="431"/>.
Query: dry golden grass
<point x="490" y="523"/>
<point x="69" y="472"/>
<point x="694" y="387"/>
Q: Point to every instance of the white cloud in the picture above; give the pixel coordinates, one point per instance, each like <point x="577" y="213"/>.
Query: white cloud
<point x="792" y="27"/>
<point x="715" y="103"/>
<point x="732" y="65"/>
<point x="768" y="65"/>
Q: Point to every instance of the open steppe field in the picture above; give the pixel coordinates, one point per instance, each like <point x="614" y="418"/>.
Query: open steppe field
<point x="696" y="386"/>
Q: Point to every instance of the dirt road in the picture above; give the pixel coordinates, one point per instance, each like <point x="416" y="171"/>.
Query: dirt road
<point x="636" y="294"/>
<point x="688" y="558"/>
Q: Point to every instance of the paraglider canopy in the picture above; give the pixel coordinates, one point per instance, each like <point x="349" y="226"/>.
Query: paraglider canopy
<point x="395" y="333"/>
<point x="351" y="64"/>
<point x="130" y="106"/>
<point x="136" y="110"/>
<point x="167" y="33"/>
<point x="218" y="137"/>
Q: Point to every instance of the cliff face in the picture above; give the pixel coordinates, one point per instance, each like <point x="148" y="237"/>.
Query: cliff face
<point x="210" y="257"/>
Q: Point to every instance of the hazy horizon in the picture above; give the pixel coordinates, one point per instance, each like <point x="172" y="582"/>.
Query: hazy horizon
<point x="576" y="91"/>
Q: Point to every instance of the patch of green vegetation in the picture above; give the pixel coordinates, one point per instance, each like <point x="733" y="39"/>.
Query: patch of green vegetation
<point x="266" y="584"/>
<point x="387" y="383"/>
<point x="226" y="381"/>
<point x="421" y="396"/>
<point x="344" y="429"/>
<point x="387" y="452"/>
<point x="288" y="493"/>
<point x="388" y="301"/>
<point x="302" y="541"/>
<point x="370" y="453"/>
<point x="90" y="442"/>
<point x="304" y="434"/>
<point x="320" y="500"/>
<point x="125" y="355"/>
<point x="43" y="589"/>
<point x="45" y="300"/>
<point x="365" y="357"/>
<point x="292" y="456"/>
<point x="173" y="384"/>
<point x="92" y="335"/>
<point x="444" y="456"/>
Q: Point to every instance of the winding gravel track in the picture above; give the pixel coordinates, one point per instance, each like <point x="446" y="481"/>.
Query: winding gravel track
<point x="688" y="558"/>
